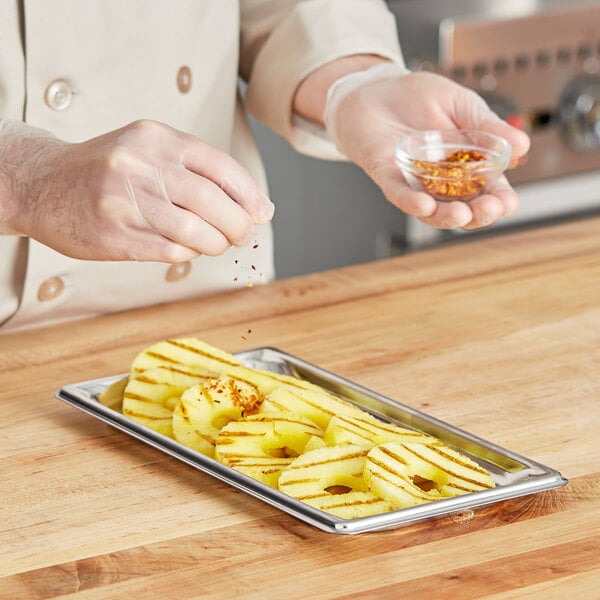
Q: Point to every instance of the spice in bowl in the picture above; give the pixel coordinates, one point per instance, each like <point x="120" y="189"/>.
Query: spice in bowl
<point x="452" y="165"/>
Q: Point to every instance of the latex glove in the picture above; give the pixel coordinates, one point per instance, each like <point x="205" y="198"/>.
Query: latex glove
<point x="368" y="111"/>
<point x="145" y="192"/>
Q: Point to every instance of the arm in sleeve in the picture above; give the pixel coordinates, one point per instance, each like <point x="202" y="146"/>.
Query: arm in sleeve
<point x="283" y="41"/>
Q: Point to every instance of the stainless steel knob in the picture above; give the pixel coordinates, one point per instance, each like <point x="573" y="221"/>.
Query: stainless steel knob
<point x="579" y="113"/>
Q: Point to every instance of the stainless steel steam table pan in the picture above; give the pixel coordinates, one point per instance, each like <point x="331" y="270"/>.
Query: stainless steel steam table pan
<point x="513" y="474"/>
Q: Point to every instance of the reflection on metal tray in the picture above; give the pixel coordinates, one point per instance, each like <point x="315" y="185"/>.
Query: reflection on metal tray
<point x="514" y="475"/>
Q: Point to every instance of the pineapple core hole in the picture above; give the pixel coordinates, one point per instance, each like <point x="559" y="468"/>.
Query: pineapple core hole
<point x="284" y="452"/>
<point x="221" y="419"/>
<point x="337" y="490"/>
<point x="425" y="484"/>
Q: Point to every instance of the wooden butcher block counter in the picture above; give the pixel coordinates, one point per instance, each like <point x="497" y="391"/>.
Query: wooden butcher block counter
<point x="498" y="336"/>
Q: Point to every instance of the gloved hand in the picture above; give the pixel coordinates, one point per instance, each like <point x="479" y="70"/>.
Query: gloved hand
<point x="145" y="192"/>
<point x="368" y="111"/>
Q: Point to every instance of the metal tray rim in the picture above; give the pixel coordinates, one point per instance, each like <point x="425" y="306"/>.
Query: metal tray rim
<point x="542" y="478"/>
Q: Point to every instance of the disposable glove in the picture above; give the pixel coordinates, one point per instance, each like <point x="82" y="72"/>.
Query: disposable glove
<point x="368" y="111"/>
<point x="145" y="192"/>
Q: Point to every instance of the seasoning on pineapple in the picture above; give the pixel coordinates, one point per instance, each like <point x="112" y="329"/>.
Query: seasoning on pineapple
<point x="452" y="178"/>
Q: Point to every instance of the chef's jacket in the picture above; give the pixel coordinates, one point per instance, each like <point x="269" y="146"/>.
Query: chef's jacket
<point x="80" y="68"/>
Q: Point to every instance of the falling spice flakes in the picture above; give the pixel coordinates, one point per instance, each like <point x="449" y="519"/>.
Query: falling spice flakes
<point x="249" y="284"/>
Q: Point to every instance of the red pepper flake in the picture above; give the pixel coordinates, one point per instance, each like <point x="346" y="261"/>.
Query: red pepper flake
<point x="253" y="267"/>
<point x="249" y="330"/>
<point x="235" y="261"/>
<point x="453" y="177"/>
<point x="235" y="278"/>
<point x="255" y="246"/>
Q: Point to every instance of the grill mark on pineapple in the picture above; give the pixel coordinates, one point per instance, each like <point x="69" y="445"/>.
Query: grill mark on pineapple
<point x="386" y="470"/>
<point x="291" y="381"/>
<point x="362" y="502"/>
<point x="355" y="429"/>
<point x="234" y="456"/>
<point x="179" y="344"/>
<point x="371" y="429"/>
<point x="184" y="413"/>
<point x="263" y="462"/>
<point x="144" y="399"/>
<point x="263" y="471"/>
<point x="330" y="460"/>
<point x="357" y="426"/>
<point x="472" y="466"/>
<point x="409" y="488"/>
<point x="397" y="457"/>
<point x="186" y="419"/>
<point x="300" y="481"/>
<point x="231" y="435"/>
<point x="132" y="413"/>
<point x="315" y="405"/>
<point x="308" y="428"/>
<point x="181" y="369"/>
<point x="461" y="488"/>
<point x="448" y="469"/>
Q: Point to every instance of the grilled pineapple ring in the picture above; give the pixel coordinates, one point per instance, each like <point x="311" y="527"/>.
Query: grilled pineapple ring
<point x="367" y="431"/>
<point x="190" y="354"/>
<point x="262" y="445"/>
<point x="205" y="408"/>
<point x="331" y="479"/>
<point x="315" y="404"/>
<point x="410" y="474"/>
<point x="151" y="396"/>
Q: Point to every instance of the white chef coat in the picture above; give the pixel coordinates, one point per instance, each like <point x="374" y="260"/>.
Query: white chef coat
<point x="80" y="68"/>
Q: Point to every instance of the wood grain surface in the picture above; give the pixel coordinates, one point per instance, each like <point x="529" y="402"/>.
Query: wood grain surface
<point x="499" y="336"/>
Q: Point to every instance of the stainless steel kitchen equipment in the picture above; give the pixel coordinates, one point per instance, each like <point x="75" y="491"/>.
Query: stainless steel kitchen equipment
<point x="537" y="63"/>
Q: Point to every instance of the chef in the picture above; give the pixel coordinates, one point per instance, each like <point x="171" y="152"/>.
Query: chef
<point x="128" y="172"/>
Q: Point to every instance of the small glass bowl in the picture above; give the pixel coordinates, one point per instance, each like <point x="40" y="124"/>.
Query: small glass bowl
<point x="454" y="164"/>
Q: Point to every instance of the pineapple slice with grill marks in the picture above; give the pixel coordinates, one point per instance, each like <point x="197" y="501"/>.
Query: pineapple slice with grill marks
<point x="112" y="396"/>
<point x="315" y="404"/>
<point x="206" y="408"/>
<point x="458" y="473"/>
<point x="262" y="445"/>
<point x="409" y="474"/>
<point x="331" y="479"/>
<point x="367" y="431"/>
<point x="387" y="473"/>
<point x="269" y="381"/>
<point x="184" y="353"/>
<point x="150" y="397"/>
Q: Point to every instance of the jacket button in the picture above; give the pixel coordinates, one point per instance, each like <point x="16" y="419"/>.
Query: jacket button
<point x="58" y="94"/>
<point x="50" y="289"/>
<point x="184" y="80"/>
<point x="178" y="271"/>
